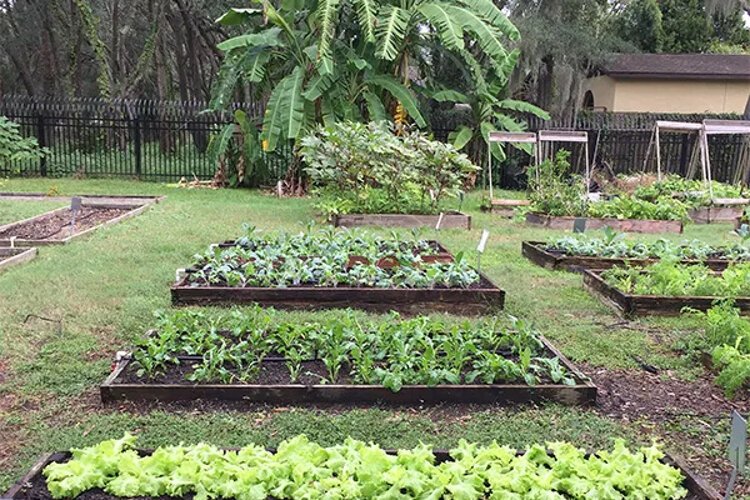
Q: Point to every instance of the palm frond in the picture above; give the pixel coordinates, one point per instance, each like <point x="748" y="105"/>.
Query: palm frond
<point x="392" y="25"/>
<point x="451" y="33"/>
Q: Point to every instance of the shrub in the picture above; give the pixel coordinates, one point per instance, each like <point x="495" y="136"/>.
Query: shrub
<point x="367" y="168"/>
<point x="14" y="147"/>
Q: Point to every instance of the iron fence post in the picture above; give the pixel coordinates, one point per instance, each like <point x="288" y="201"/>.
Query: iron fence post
<point x="137" y="149"/>
<point x="41" y="138"/>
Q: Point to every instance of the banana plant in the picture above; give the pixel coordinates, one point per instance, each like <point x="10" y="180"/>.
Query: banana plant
<point x="334" y="60"/>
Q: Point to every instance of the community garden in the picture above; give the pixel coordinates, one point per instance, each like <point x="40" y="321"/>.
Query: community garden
<point x="368" y="327"/>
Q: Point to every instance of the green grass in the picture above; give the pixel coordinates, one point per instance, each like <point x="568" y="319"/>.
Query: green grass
<point x="12" y="211"/>
<point x="104" y="288"/>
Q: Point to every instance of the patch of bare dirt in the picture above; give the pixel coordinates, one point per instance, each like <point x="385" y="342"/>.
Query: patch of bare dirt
<point x="59" y="225"/>
<point x="686" y="413"/>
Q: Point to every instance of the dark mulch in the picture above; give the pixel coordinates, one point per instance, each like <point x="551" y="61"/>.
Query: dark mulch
<point x="645" y="398"/>
<point x="57" y="226"/>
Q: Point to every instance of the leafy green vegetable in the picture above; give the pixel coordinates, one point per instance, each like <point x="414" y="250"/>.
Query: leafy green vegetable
<point x="669" y="277"/>
<point x="417" y="351"/>
<point x="356" y="470"/>
<point x="322" y="259"/>
<point x="613" y="246"/>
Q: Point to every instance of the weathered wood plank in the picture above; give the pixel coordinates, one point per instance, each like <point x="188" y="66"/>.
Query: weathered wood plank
<point x="451" y="220"/>
<point x="622" y="225"/>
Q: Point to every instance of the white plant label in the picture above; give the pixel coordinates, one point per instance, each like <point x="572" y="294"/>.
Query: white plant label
<point x="483" y="241"/>
<point x="439" y="222"/>
<point x="178" y="275"/>
<point x="13" y="241"/>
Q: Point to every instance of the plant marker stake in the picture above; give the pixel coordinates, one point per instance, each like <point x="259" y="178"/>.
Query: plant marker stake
<point x="279" y="188"/>
<point x="460" y="200"/>
<point x="480" y="248"/>
<point x="13" y="241"/>
<point x="75" y="206"/>
<point x="439" y="222"/>
<point x="737" y="450"/>
<point x="178" y="275"/>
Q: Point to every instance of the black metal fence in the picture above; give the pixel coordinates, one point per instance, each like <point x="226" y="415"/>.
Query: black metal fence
<point x="166" y="141"/>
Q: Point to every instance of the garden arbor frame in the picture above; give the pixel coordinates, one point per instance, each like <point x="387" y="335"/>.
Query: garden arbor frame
<point x="721" y="127"/>
<point x="677" y="127"/>
<point x="511" y="138"/>
<point x="568" y="136"/>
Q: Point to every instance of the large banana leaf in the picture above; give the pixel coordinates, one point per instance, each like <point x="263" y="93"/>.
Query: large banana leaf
<point x="393" y="23"/>
<point x="267" y="38"/>
<point x="401" y="93"/>
<point x="451" y="33"/>
<point x="236" y="16"/>
<point x="366" y="12"/>
<point x="492" y="14"/>
<point x="487" y="35"/>
<point x="523" y="107"/>
<point x="285" y="110"/>
<point x="326" y="14"/>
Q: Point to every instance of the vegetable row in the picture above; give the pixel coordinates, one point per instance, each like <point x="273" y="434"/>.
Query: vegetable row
<point x="330" y="258"/>
<point x="231" y="346"/>
<point x="300" y="468"/>
<point x="612" y="245"/>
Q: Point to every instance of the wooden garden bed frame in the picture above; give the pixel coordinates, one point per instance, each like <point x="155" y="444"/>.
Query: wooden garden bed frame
<point x="133" y="210"/>
<point x="698" y="488"/>
<point x="630" y="305"/>
<point x="451" y="220"/>
<point x="583" y="393"/>
<point x="485" y="300"/>
<point x="537" y="253"/>
<point x="13" y="256"/>
<point x="721" y="210"/>
<point x="621" y="225"/>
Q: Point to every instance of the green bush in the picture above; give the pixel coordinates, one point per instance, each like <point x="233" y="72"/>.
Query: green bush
<point x="368" y="168"/>
<point x="14" y="147"/>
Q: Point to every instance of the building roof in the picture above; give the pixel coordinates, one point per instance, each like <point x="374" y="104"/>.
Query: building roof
<point x="679" y="66"/>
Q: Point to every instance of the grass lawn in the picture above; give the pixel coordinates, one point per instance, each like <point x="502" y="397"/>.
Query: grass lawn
<point x="11" y="211"/>
<point x="104" y="288"/>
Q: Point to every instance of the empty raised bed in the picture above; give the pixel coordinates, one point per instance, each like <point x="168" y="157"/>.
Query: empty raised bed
<point x="567" y="223"/>
<point x="14" y="256"/>
<point x="668" y="288"/>
<point x="575" y="253"/>
<point x="257" y="356"/>
<point x="449" y="220"/>
<point x="62" y="225"/>
<point x="299" y="468"/>
<point x="327" y="269"/>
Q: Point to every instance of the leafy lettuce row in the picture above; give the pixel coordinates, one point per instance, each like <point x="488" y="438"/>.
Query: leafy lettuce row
<point x="357" y="470"/>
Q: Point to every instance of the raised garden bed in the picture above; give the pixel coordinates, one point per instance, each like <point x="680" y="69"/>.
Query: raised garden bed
<point x="34" y="485"/>
<point x="14" y="256"/>
<point x="621" y="225"/>
<point x="337" y="269"/>
<point x="537" y="252"/>
<point x="483" y="298"/>
<point x="85" y="198"/>
<point x="506" y="208"/>
<point x="630" y="305"/>
<point x="123" y="385"/>
<point x="54" y="227"/>
<point x="451" y="220"/>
